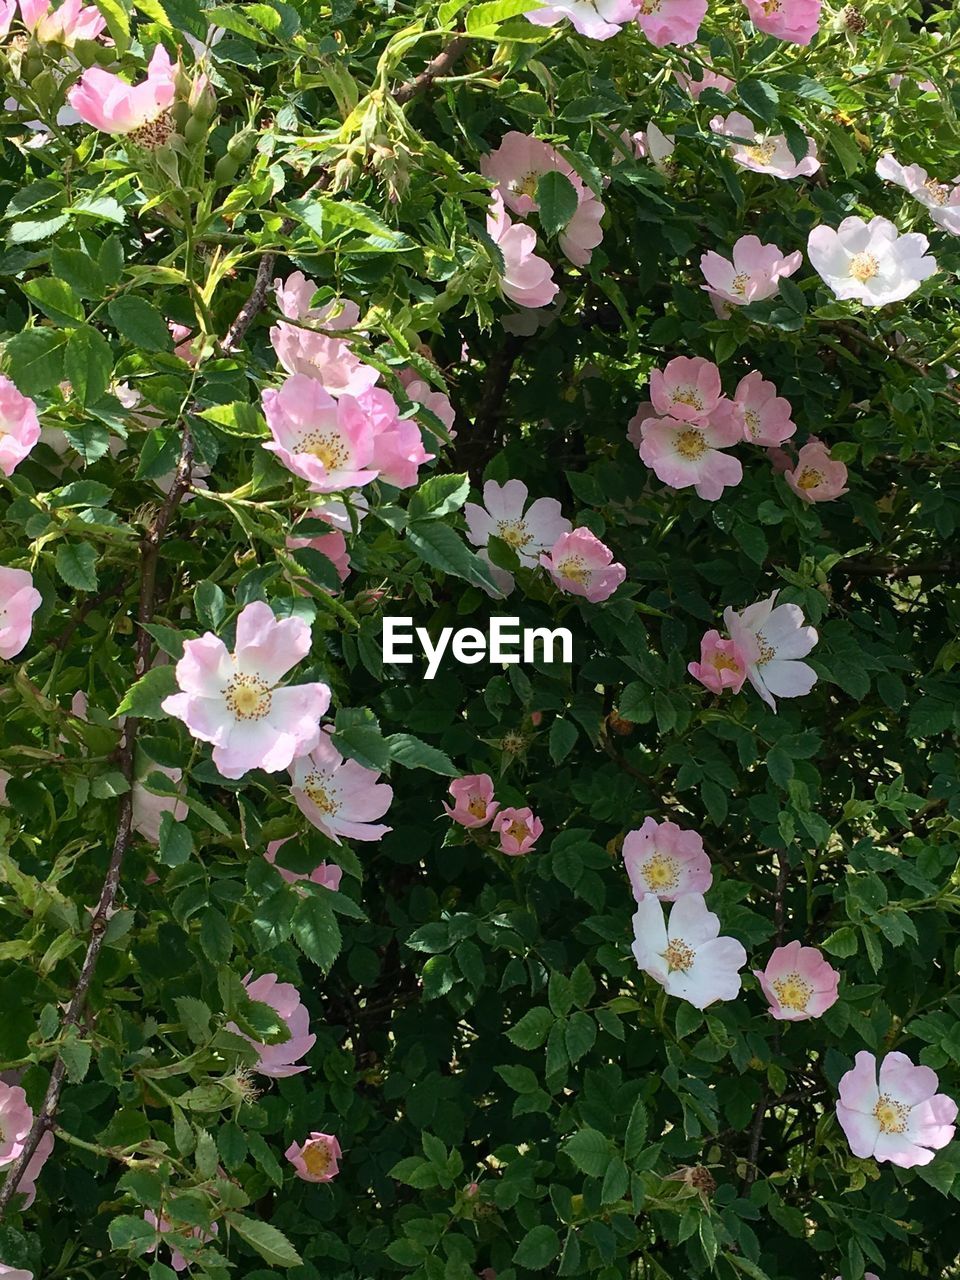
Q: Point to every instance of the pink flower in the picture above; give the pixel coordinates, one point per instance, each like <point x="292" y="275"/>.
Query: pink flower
<point x="581" y="565"/>
<point x="8" y="10"/>
<point x="164" y="1226"/>
<point x="529" y="533"/>
<point x="65" y="25"/>
<point x="19" y="426"/>
<point x="688" y="389"/>
<point x="764" y="153"/>
<point x="295" y="294"/>
<point x="518" y="830"/>
<point x="328" y="442"/>
<point x="686" y="956"/>
<point x="333" y="545"/>
<point x="19" y="601"/>
<point x="709" y="79"/>
<point x="473" y="802"/>
<point x="816" y="477"/>
<point x="424" y="395"/>
<point x="793" y="20"/>
<point x="766" y="416"/>
<point x="682" y="454"/>
<point x="798" y="983"/>
<point x="721" y="666"/>
<point x="665" y="860"/>
<point x="278" y="1060"/>
<point x="235" y="701"/>
<point x="327" y="874"/>
<point x="16" y="1119"/>
<point x="340" y="797"/>
<point x="336" y="512"/>
<point x="753" y="274"/>
<point x="398" y="451"/>
<point x="671" y="21"/>
<point x="595" y="19"/>
<point x="109" y="104"/>
<point x="182" y="336"/>
<point x="654" y="145"/>
<point x="330" y="361"/>
<point x="644" y="413"/>
<point x="870" y="261"/>
<point x="772" y="640"/>
<point x="316" y="1160"/>
<point x="517" y="166"/>
<point x="149" y="808"/>
<point x="902" y="1118"/>
<point x="28" y="1183"/>
<point x="13" y="1273"/>
<point x="940" y="199"/>
<point x="527" y="279"/>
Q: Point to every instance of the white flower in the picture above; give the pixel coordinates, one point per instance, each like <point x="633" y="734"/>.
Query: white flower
<point x="941" y="198"/>
<point x="656" y="146"/>
<point x="763" y="152"/>
<point x="686" y="956"/>
<point x="503" y="516"/>
<point x="870" y="261"/>
<point x="771" y="640"/>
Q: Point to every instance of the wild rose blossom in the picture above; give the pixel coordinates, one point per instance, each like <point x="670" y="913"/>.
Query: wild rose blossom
<point x="721" y="666"/>
<point x="19" y="426"/>
<point x="28" y="1182"/>
<point x="940" y="199"/>
<point x="764" y="152"/>
<point x="65" y="25"/>
<point x="19" y="601"/>
<point x="315" y="1160"/>
<point x="235" y="701"/>
<point x="527" y="279"/>
<point x="398" y="451"/>
<point x="333" y="545"/>
<point x="279" y="1060"/>
<point x="686" y="955"/>
<point x="773" y="639"/>
<point x="428" y="397"/>
<point x="689" y="453"/>
<point x="529" y="532"/>
<point x="665" y="860"/>
<point x="149" y="808"/>
<point x="473" y="802"/>
<point x="654" y="145"/>
<point x="595" y="19"/>
<point x="753" y="274"/>
<point x="870" y="261"/>
<point x="326" y="874"/>
<point x="899" y="1116"/>
<point x="687" y="388"/>
<point x="328" y="442"/>
<point x="581" y="565"/>
<point x="8" y="10"/>
<point x="666" y="22"/>
<point x="340" y="797"/>
<point x="329" y="361"/>
<point x="139" y="112"/>
<point x="798" y="983"/>
<point x="765" y="415"/>
<point x="707" y="78"/>
<point x="164" y="1226"/>
<point x="16" y="1119"/>
<point x="295" y="296"/>
<point x="816" y="477"/>
<point x="793" y="20"/>
<point x="518" y="829"/>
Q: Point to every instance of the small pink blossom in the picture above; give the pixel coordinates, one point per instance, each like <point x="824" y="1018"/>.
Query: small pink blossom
<point x="16" y="1119"/>
<point x="685" y="454"/>
<point x="19" y="426"/>
<point x="900" y="1117"/>
<point x="182" y="336"/>
<point x="109" y="104"/>
<point x="752" y="275"/>
<point x="581" y="565"/>
<point x="940" y="199"/>
<point x="708" y="79"/>
<point x="793" y="20"/>
<point x="721" y="666"/>
<point x="328" y="442"/>
<point x="164" y="1226"/>
<point x="798" y="983"/>
<point x="473" y="802"/>
<point x="687" y="388"/>
<point x="684" y="954"/>
<point x="763" y="152"/>
<point x="665" y="860"/>
<point x="329" y="361"/>
<point x="28" y="1182"/>
<point x="340" y="797"/>
<point x="235" y="701"/>
<point x="671" y="21"/>
<point x="527" y="279"/>
<point x="149" y="808"/>
<point x="423" y="394"/>
<point x="518" y="829"/>
<point x="8" y="11"/>
<point x="816" y="477"/>
<point x="316" y="1160"/>
<point x="294" y="298"/>
<point x="765" y="415"/>
<point x="644" y="413"/>
<point x="332" y="545"/>
<point x="65" y="25"/>
<point x="398" y="452"/>
<point x="19" y="601"/>
<point x="529" y="532"/>
<point x="595" y="19"/>
<point x="279" y="1060"/>
<point x="14" y="1273"/>
<point x="772" y="640"/>
<point x="326" y="874"/>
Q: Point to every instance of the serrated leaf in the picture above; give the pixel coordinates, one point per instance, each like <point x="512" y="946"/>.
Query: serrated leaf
<point x="76" y="564"/>
<point x="143" y="699"/>
<point x="271" y="1244"/>
<point x="557" y="201"/>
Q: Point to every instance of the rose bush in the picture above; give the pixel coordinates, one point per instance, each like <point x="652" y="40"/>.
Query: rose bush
<point x="637" y="318"/>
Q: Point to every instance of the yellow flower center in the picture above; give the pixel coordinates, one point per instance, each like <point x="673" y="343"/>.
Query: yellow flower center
<point x="863" y="267"/>
<point x="793" y="992"/>
<point x="326" y="448"/>
<point x="678" y="955"/>
<point x="477" y="807"/>
<point x="518" y="830"/>
<point x="317" y="1158"/>
<point x="770" y="6"/>
<point x="938" y="192"/>
<point x="574" y="568"/>
<point x="317" y="792"/>
<point x="740" y="282"/>
<point x="513" y="532"/>
<point x="752" y="419"/>
<point x="724" y="662"/>
<point x="661" y="872"/>
<point x="688" y="396"/>
<point x="766" y="649"/>
<point x="762" y="153"/>
<point x="527" y="185"/>
<point x="649" y="6"/>
<point x="691" y="444"/>
<point x="248" y="697"/>
<point x="809" y="478"/>
<point x="891" y="1115"/>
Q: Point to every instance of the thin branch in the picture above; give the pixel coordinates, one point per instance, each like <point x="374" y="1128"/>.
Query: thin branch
<point x="440" y="65"/>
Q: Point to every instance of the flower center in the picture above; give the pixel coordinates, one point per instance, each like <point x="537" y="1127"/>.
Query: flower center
<point x="752" y="419"/>
<point x="317" y="1158"/>
<point x="793" y="992"/>
<point x="513" y="532"/>
<point x="248" y="697"/>
<point x="691" y="444"/>
<point x="477" y="807"/>
<point x="527" y="185"/>
<point x="766" y="651"/>
<point x="891" y="1115"/>
<point x="326" y="447"/>
<point x="938" y="191"/>
<point x="809" y="478"/>
<point x="518" y="830"/>
<point x="688" y="396"/>
<point x="863" y="267"/>
<point x="762" y="153"/>
<point x="770" y="6"/>
<point x="661" y="872"/>
<point x="152" y="133"/>
<point x="724" y="662"/>
<point x="317" y="792"/>
<point x="649" y="6"/>
<point x="740" y="282"/>
<point x="678" y="955"/>
<point x="574" y="568"/>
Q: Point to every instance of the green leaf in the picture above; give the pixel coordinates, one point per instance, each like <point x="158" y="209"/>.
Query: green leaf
<point x="563" y="737"/>
<point x="615" y="1181"/>
<point x="438" y="496"/>
<point x="77" y="565"/>
<point x="844" y="147"/>
<point x="216" y="936"/>
<point x="195" y="1016"/>
<point x="34" y="359"/>
<point x="176" y="841"/>
<point x="538" y="1248"/>
<point x="557" y="199"/>
<point x="77" y="269"/>
<point x="410" y="752"/>
<point x="55" y="299"/>
<point x="271" y="1244"/>
<point x="140" y="323"/>
<point x="760" y="98"/>
<point x="485" y="18"/>
<point x="209" y="604"/>
<point x="636" y="1135"/>
<point x="590" y="1151"/>
<point x="531" y="1031"/>
<point x="88" y="363"/>
<point x="580" y="1035"/>
<point x="76" y="1055"/>
<point x="236" y="419"/>
<point x="357" y="735"/>
<point x="316" y="931"/>
<point x="438" y="546"/>
<point x="118" y="22"/>
<point x="143" y="699"/>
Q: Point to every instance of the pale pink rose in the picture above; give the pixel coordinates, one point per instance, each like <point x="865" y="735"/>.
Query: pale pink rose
<point x="148" y="808"/>
<point x="336" y="512"/>
<point x="398" y="452"/>
<point x="28" y="1182"/>
<point x="109" y="104"/>
<point x="671" y="21"/>
<point x="19" y="426"/>
<point x="8" y="11"/>
<point x="182" y="336"/>
<point x="870" y="261"/>
<point x="333" y="545"/>
<point x="330" y="361"/>
<point x="595" y="19"/>
<point x="65" y="25"/>
<point x="527" y="279"/>
<point x="581" y="565"/>
<point x="644" y="412"/>
<point x="765" y="415"/>
<point x="772" y="640"/>
<point x="688" y="388"/>
<point x="340" y="797"/>
<point x="326" y="441"/>
<point x="473" y="802"/>
<point x="279" y="1060"/>
<point x="901" y="1117"/>
<point x="686" y="956"/>
<point x="13" y="1273"/>
<point x="422" y="393"/>
<point x="164" y="1226"/>
<point x="295" y="294"/>
<point x="517" y="166"/>
<point x="721" y="666"/>
<point x="708" y="79"/>
<point x="529" y="532"/>
<point x="940" y="199"/>
<point x="316" y="1160"/>
<point x="753" y="274"/>
<point x="793" y="20"/>
<point x="816" y="477"/>
<point x="798" y="983"/>
<point x="925" y="86"/>
<point x="518" y="829"/>
<point x="665" y="860"/>
<point x="235" y="701"/>
<point x="16" y="1119"/>
<point x="656" y="146"/>
<point x="326" y="874"/>
<point x="19" y="601"/>
<point x="685" y="454"/>
<point x="764" y="152"/>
